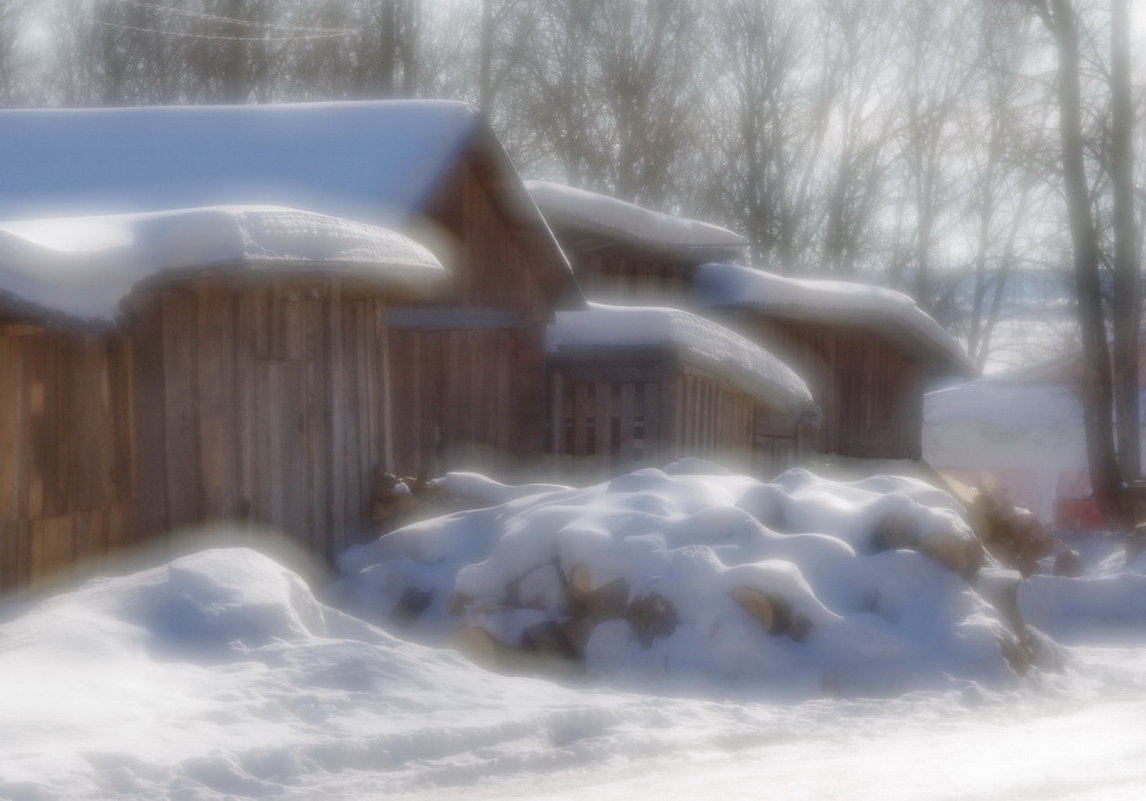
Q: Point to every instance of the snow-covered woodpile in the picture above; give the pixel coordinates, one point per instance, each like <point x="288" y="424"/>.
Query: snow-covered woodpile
<point x="696" y="575"/>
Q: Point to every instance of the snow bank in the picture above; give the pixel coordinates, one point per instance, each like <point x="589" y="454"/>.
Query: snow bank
<point x="611" y="217"/>
<point x="886" y="311"/>
<point x="219" y="676"/>
<point x="370" y="161"/>
<point x="694" y="338"/>
<point x="803" y="585"/>
<point x="1109" y="600"/>
<point x="83" y="267"/>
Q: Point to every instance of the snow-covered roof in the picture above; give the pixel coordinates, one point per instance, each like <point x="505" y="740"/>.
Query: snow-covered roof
<point x="370" y="161"/>
<point x="601" y="214"/>
<point x="701" y="341"/>
<point x="891" y="313"/>
<point x="81" y="268"/>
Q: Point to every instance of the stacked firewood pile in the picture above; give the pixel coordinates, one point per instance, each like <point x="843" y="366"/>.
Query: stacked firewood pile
<point x="1016" y="537"/>
<point x="584" y="607"/>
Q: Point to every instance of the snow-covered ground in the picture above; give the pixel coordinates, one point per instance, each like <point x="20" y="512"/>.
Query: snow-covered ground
<point x="220" y="675"/>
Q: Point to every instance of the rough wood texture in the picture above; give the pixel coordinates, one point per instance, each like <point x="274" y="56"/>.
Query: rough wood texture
<point x="870" y="392"/>
<point x="464" y="396"/>
<point x="604" y="421"/>
<point x="67" y="476"/>
<point x="272" y="405"/>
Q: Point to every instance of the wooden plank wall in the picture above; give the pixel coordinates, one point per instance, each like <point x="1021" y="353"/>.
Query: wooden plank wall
<point x="605" y="426"/>
<point x="464" y="396"/>
<point x="870" y="392"/>
<point x="612" y="275"/>
<point x="494" y="269"/>
<point x="272" y="405"/>
<point x="67" y="476"/>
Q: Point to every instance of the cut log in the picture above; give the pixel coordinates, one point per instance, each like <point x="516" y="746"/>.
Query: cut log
<point x="543" y="589"/>
<point x="1068" y="563"/>
<point x="963" y="555"/>
<point x="760" y="607"/>
<point x="577" y="631"/>
<point x="477" y="645"/>
<point x="547" y="639"/>
<point x="457" y="603"/>
<point x="896" y="530"/>
<point x="652" y="616"/>
<point x="602" y="603"/>
<point x="411" y="605"/>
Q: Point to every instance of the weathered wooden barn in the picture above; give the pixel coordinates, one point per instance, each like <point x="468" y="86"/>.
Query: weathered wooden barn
<point x="623" y="253"/>
<point x="867" y="353"/>
<point x="636" y="386"/>
<point x="164" y="369"/>
<point x="429" y="168"/>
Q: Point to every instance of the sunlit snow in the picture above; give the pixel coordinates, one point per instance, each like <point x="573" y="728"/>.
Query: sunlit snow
<point x="220" y="675"/>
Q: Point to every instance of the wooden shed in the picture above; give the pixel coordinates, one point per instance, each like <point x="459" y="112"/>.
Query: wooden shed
<point x="623" y="253"/>
<point x="868" y="353"/>
<point x="164" y="369"/>
<point x="432" y="169"/>
<point x="637" y="386"/>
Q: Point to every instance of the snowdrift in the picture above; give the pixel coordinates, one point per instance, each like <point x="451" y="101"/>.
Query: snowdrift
<point x="1107" y="604"/>
<point x="220" y="675"/>
<point x="695" y="577"/>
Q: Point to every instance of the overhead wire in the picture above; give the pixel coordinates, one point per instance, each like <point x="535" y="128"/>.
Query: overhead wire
<point x="220" y="37"/>
<point x="300" y="32"/>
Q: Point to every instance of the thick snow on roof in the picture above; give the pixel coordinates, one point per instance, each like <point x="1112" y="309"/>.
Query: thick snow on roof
<point x="607" y="215"/>
<point x="887" y="311"/>
<point x="370" y="161"/>
<point x="708" y="344"/>
<point x="82" y="268"/>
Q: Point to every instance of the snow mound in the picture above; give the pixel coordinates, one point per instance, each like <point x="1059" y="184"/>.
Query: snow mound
<point x="1108" y="601"/>
<point x="696" y="339"/>
<point x="84" y="267"/>
<point x="886" y="311"/>
<point x="802" y="585"/>
<point x="612" y="217"/>
<point x="220" y="676"/>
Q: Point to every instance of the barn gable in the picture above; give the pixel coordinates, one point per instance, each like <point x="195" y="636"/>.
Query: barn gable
<point x="628" y="254"/>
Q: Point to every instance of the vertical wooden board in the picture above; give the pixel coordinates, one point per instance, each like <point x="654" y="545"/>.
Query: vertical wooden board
<point x="386" y="388"/>
<point x="628" y="414"/>
<point x="557" y="416"/>
<point x="41" y="419"/>
<point x="148" y="402"/>
<point x="407" y="386"/>
<point x="657" y="444"/>
<point x="121" y="377"/>
<point x="603" y="413"/>
<point x="506" y="356"/>
<point x="216" y="412"/>
<point x="53" y="546"/>
<point x="316" y="404"/>
<point x="582" y="411"/>
<point x="15" y="556"/>
<point x="346" y="455"/>
<point x="13" y="427"/>
<point x="247" y="410"/>
<point x="338" y="390"/>
<point x="180" y="345"/>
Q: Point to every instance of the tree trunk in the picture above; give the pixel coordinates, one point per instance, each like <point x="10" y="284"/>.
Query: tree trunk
<point x="1125" y="306"/>
<point x="1097" y="390"/>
